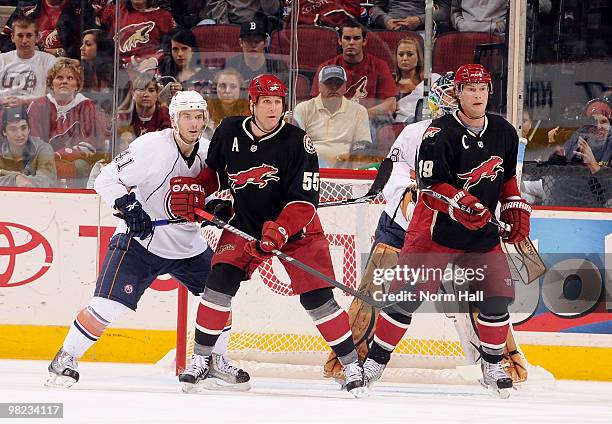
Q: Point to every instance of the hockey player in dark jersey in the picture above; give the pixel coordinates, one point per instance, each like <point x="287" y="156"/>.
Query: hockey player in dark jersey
<point x="272" y="172"/>
<point x="470" y="157"/>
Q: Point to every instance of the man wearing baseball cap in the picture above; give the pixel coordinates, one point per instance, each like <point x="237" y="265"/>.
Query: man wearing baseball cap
<point x="337" y="126"/>
<point x="24" y="161"/>
<point x="253" y="61"/>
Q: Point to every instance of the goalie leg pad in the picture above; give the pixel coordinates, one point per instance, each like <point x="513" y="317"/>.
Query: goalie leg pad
<point x="362" y="317"/>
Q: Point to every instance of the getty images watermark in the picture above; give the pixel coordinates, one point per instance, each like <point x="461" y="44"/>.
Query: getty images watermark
<point x="400" y="280"/>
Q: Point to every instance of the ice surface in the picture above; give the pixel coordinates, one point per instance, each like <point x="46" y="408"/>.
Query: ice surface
<point x="127" y="393"/>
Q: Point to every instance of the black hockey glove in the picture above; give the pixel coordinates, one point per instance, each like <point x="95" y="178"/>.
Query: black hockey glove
<point x="137" y="220"/>
<point x="221" y="209"/>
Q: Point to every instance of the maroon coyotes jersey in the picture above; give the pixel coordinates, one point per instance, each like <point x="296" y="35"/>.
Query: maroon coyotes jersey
<point x="479" y="164"/>
<point x="263" y="174"/>
<point x="141" y="31"/>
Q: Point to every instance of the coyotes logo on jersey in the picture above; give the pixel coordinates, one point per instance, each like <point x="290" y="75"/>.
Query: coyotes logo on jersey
<point x="135" y="34"/>
<point x="258" y="175"/>
<point x="358" y="91"/>
<point x="430" y="132"/>
<point x="487" y="169"/>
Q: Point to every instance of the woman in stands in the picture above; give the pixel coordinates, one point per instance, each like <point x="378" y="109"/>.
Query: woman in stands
<point x="409" y="78"/>
<point x="182" y="67"/>
<point x="69" y="121"/>
<point x="229" y="99"/>
<point x="97" y="61"/>
<point x="141" y="112"/>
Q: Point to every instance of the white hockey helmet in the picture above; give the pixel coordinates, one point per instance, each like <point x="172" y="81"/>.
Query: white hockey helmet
<point x="187" y="100"/>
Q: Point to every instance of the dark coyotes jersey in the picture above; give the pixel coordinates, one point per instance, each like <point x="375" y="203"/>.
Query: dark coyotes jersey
<point x="263" y="175"/>
<point x="479" y="164"/>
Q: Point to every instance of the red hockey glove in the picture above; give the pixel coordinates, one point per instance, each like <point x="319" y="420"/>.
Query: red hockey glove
<point x="516" y="213"/>
<point x="472" y="221"/>
<point x="273" y="236"/>
<point x="185" y="196"/>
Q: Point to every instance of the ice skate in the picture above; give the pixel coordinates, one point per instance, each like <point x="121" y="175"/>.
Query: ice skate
<point x="195" y="373"/>
<point x="355" y="379"/>
<point x="224" y="376"/>
<point x="373" y="371"/>
<point x="62" y="370"/>
<point x="495" y="379"/>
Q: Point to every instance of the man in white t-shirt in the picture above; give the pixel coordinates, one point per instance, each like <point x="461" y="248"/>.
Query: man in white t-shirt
<point x="23" y="71"/>
<point x="336" y="125"/>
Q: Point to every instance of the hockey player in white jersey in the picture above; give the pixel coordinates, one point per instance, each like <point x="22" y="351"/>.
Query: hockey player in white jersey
<point x="393" y="222"/>
<point x="136" y="184"/>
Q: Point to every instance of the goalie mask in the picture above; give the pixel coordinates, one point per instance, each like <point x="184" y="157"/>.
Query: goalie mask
<point x="186" y="101"/>
<point x="442" y="98"/>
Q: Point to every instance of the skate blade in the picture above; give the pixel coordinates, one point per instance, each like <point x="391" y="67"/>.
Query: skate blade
<point x="212" y="383"/>
<point x="360" y="392"/>
<point x="59" y="381"/>
<point x="191" y="388"/>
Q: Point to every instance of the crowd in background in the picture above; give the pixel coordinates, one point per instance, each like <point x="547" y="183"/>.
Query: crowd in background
<point x="60" y="89"/>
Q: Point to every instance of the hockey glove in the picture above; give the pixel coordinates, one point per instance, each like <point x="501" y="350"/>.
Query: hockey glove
<point x="221" y="209"/>
<point x="273" y="237"/>
<point x="472" y="221"/>
<point x="517" y="214"/>
<point x="185" y="196"/>
<point x="137" y="220"/>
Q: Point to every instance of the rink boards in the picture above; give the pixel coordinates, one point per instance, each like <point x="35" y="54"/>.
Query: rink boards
<point x="52" y="243"/>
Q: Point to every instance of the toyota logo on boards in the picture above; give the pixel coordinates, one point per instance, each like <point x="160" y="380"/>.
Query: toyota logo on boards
<point x="25" y="255"/>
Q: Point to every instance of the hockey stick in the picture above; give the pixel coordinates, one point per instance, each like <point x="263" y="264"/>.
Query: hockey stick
<point x="503" y="227"/>
<point x="224" y="225"/>
<point x="382" y="176"/>
<point x="162" y="222"/>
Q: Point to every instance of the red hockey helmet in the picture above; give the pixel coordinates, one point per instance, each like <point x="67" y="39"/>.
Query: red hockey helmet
<point x="266" y="85"/>
<point x="472" y="73"/>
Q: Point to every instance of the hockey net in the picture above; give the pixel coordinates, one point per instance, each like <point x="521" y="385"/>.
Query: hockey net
<point x="272" y="335"/>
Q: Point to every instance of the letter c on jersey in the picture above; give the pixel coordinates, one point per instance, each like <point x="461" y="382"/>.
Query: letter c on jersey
<point x="34" y="249"/>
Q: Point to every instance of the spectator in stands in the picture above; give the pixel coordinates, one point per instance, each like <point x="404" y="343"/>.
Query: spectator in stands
<point x="406" y="15"/>
<point x="409" y="78"/>
<point x="369" y="79"/>
<point x="60" y="24"/>
<point x="143" y="27"/>
<point x="229" y="99"/>
<point x="476" y="15"/>
<point x="69" y="121"/>
<point x="24" y="161"/>
<point x="337" y="126"/>
<point x="186" y="13"/>
<point x="243" y="11"/>
<point x="23" y="71"/>
<point x="141" y="111"/>
<point x="591" y="144"/>
<point x="181" y="66"/>
<point x="253" y="61"/>
<point x="97" y="52"/>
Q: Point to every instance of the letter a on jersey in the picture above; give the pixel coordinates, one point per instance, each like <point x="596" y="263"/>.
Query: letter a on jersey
<point x="487" y="169"/>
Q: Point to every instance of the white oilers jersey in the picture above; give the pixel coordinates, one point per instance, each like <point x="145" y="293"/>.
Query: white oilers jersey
<point x="146" y="168"/>
<point x="403" y="154"/>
